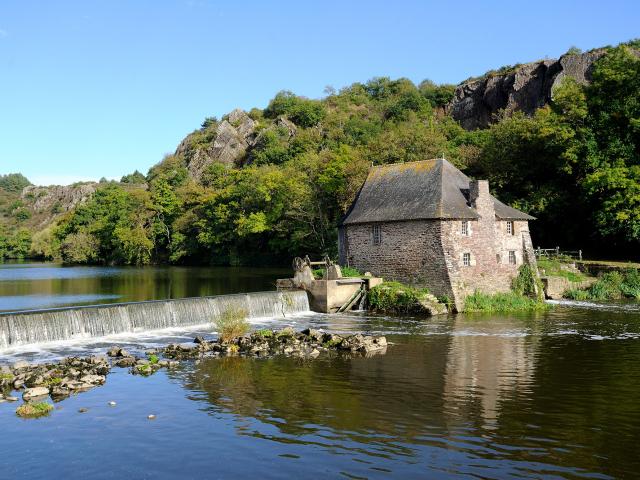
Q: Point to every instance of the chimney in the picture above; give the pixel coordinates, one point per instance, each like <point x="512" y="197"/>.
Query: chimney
<point x="478" y="191"/>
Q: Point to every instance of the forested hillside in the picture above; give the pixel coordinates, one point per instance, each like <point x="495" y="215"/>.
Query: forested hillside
<point x="266" y="185"/>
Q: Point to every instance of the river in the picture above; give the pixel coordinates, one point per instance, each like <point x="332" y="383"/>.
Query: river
<point x="544" y="395"/>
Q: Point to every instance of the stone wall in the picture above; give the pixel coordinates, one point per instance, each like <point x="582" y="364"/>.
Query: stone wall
<point x="410" y="252"/>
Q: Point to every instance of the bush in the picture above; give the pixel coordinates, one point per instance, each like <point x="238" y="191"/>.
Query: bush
<point x="33" y="410"/>
<point x="395" y="297"/>
<point x="527" y="283"/>
<point x="610" y="286"/>
<point x="501" y="303"/>
<point x="232" y="323"/>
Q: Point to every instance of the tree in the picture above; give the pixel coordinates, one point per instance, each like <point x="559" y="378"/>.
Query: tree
<point x="13" y="182"/>
<point x="134" y="178"/>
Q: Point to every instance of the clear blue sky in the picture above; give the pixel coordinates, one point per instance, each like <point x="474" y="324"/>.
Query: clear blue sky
<point x="103" y="87"/>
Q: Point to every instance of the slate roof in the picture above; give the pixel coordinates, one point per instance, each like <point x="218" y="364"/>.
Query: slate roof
<point x="428" y="189"/>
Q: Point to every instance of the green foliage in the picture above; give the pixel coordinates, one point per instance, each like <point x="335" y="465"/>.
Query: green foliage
<point x="437" y="95"/>
<point x="557" y="268"/>
<point x="153" y="359"/>
<point x="348" y="272"/>
<point x="527" y="283"/>
<point x="394" y="297"/>
<point x="13" y="182"/>
<point x="264" y="333"/>
<point x="34" y="410"/>
<point x="610" y="286"/>
<point x="301" y="111"/>
<point x="231" y="323"/>
<point x="501" y="303"/>
<point x="135" y="178"/>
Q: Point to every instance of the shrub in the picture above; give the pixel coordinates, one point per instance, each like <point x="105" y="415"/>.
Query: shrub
<point x="264" y="333"/>
<point x="610" y="286"/>
<point x="232" y="323"/>
<point x="33" y="410"/>
<point x="527" y="283"/>
<point x="396" y="297"/>
<point x="153" y="359"/>
<point x="502" y="303"/>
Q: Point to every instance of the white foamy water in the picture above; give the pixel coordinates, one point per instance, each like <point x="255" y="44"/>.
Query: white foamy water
<point x="103" y="321"/>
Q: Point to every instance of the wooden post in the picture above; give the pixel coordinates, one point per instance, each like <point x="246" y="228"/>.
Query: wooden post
<point x="557" y="251"/>
<point x="580" y="255"/>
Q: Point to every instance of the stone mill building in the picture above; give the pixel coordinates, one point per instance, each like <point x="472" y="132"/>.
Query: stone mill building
<point x="426" y="223"/>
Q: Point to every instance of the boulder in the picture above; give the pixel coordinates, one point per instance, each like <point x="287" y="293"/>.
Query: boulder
<point x="35" y="392"/>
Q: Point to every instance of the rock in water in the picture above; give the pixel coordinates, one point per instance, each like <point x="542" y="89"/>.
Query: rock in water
<point x="35" y="392"/>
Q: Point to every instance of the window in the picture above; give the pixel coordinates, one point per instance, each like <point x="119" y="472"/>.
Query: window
<point x="510" y="230"/>
<point x="465" y="228"/>
<point x="376" y="233"/>
<point x="512" y="257"/>
<point x="466" y="259"/>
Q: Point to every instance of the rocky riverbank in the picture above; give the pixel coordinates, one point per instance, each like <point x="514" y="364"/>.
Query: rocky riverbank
<point x="72" y="375"/>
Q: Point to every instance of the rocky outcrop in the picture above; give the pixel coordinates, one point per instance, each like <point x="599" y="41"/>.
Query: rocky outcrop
<point x="56" y="199"/>
<point x="230" y="144"/>
<point x="232" y="137"/>
<point x="477" y="102"/>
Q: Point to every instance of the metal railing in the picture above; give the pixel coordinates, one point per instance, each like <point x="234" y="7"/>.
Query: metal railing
<point x="556" y="252"/>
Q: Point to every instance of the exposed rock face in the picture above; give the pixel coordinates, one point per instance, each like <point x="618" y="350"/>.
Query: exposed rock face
<point x="57" y="199"/>
<point x="232" y="139"/>
<point x="528" y="87"/>
<point x="231" y="143"/>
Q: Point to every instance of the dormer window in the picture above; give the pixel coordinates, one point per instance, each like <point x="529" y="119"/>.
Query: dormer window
<point x="510" y="229"/>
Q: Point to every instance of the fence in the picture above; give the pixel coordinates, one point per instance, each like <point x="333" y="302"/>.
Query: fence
<point x="556" y="252"/>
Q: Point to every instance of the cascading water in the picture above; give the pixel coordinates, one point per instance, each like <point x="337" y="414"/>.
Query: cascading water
<point x="22" y="328"/>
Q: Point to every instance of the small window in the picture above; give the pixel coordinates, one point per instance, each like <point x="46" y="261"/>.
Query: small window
<point x="465" y="228"/>
<point x="510" y="230"/>
<point x="466" y="259"/>
<point x="376" y="232"/>
<point x="512" y="257"/>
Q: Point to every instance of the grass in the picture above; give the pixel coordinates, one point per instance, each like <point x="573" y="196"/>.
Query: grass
<point x="347" y="272"/>
<point x="553" y="267"/>
<point x="232" y="323"/>
<point x="6" y="376"/>
<point x="610" y="286"/>
<point x="34" y="410"/>
<point x="395" y="297"/>
<point x="264" y="333"/>
<point x="502" y="303"/>
<point x="153" y="359"/>
<point x="53" y="381"/>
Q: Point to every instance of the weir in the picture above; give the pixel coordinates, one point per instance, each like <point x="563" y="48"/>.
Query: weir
<point x="37" y="326"/>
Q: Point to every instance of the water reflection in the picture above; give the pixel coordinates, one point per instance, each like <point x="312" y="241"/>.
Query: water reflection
<point x="487" y="362"/>
<point x="488" y="397"/>
<point x="46" y="285"/>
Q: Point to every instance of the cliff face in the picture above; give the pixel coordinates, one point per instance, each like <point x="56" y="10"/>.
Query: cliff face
<point x="524" y="88"/>
<point x="230" y="144"/>
<point x="48" y="202"/>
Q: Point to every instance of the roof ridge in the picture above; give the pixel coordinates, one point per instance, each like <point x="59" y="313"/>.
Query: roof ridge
<point x="405" y="163"/>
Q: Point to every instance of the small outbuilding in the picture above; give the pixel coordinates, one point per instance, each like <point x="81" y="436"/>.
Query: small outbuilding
<point x="426" y="223"/>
